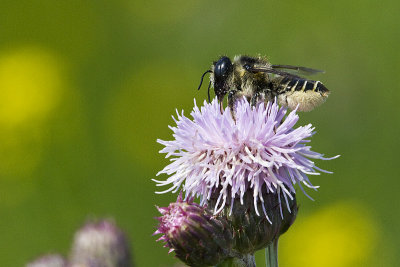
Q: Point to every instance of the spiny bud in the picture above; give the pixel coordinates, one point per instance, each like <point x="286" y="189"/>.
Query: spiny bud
<point x="100" y="244"/>
<point x="196" y="236"/>
<point x="255" y="229"/>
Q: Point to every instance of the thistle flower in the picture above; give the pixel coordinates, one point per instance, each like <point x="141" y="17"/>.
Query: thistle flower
<point x="260" y="150"/>
<point x="194" y="234"/>
<point x="100" y="243"/>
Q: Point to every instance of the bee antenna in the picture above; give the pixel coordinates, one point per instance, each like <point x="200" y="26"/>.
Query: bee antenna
<point x="208" y="92"/>
<point x="202" y="77"/>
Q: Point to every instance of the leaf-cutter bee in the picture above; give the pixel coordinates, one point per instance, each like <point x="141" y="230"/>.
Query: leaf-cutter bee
<point x="258" y="80"/>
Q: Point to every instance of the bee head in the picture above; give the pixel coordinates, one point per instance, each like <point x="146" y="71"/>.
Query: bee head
<point x="223" y="68"/>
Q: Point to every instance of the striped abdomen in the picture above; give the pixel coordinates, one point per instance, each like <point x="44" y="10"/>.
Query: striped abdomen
<point x="296" y="92"/>
<point x="292" y="84"/>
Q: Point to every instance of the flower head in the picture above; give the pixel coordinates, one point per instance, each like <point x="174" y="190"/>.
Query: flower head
<point x="100" y="243"/>
<point x="260" y="150"/>
<point x="196" y="236"/>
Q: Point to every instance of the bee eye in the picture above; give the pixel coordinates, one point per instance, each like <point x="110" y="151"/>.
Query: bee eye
<point x="223" y="67"/>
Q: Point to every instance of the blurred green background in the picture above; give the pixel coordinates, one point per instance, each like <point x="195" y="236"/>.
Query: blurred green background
<point x="86" y="88"/>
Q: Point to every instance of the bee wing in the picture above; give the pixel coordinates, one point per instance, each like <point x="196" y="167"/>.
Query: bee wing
<point x="272" y="71"/>
<point x="298" y="69"/>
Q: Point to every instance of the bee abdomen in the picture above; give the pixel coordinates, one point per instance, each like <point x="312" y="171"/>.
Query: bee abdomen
<point x="290" y="84"/>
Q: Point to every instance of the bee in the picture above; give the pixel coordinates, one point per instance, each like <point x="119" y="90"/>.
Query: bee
<point x="258" y="80"/>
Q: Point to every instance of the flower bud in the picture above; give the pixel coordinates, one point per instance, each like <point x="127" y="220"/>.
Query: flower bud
<point x="196" y="236"/>
<point x="255" y="229"/>
<point x="100" y="244"/>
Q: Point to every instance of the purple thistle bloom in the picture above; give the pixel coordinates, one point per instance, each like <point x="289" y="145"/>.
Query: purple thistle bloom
<point x="215" y="154"/>
<point x="100" y="243"/>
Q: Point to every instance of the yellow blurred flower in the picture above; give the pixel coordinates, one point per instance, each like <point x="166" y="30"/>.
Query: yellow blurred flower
<point x="31" y="84"/>
<point x="340" y="235"/>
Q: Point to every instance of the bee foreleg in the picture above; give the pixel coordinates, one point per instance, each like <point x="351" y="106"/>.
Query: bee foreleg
<point x="233" y="96"/>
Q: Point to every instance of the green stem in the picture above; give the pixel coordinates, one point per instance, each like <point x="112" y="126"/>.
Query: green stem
<point x="271" y="254"/>
<point x="246" y="261"/>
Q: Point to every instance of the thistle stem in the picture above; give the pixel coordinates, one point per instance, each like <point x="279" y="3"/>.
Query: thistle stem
<point x="271" y="254"/>
<point x="246" y="261"/>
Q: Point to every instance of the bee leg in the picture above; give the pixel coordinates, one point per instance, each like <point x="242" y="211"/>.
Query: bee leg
<point x="255" y="99"/>
<point x="269" y="97"/>
<point x="232" y="97"/>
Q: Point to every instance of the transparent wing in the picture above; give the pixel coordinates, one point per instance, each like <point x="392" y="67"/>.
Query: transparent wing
<point x="298" y="69"/>
<point x="270" y="70"/>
